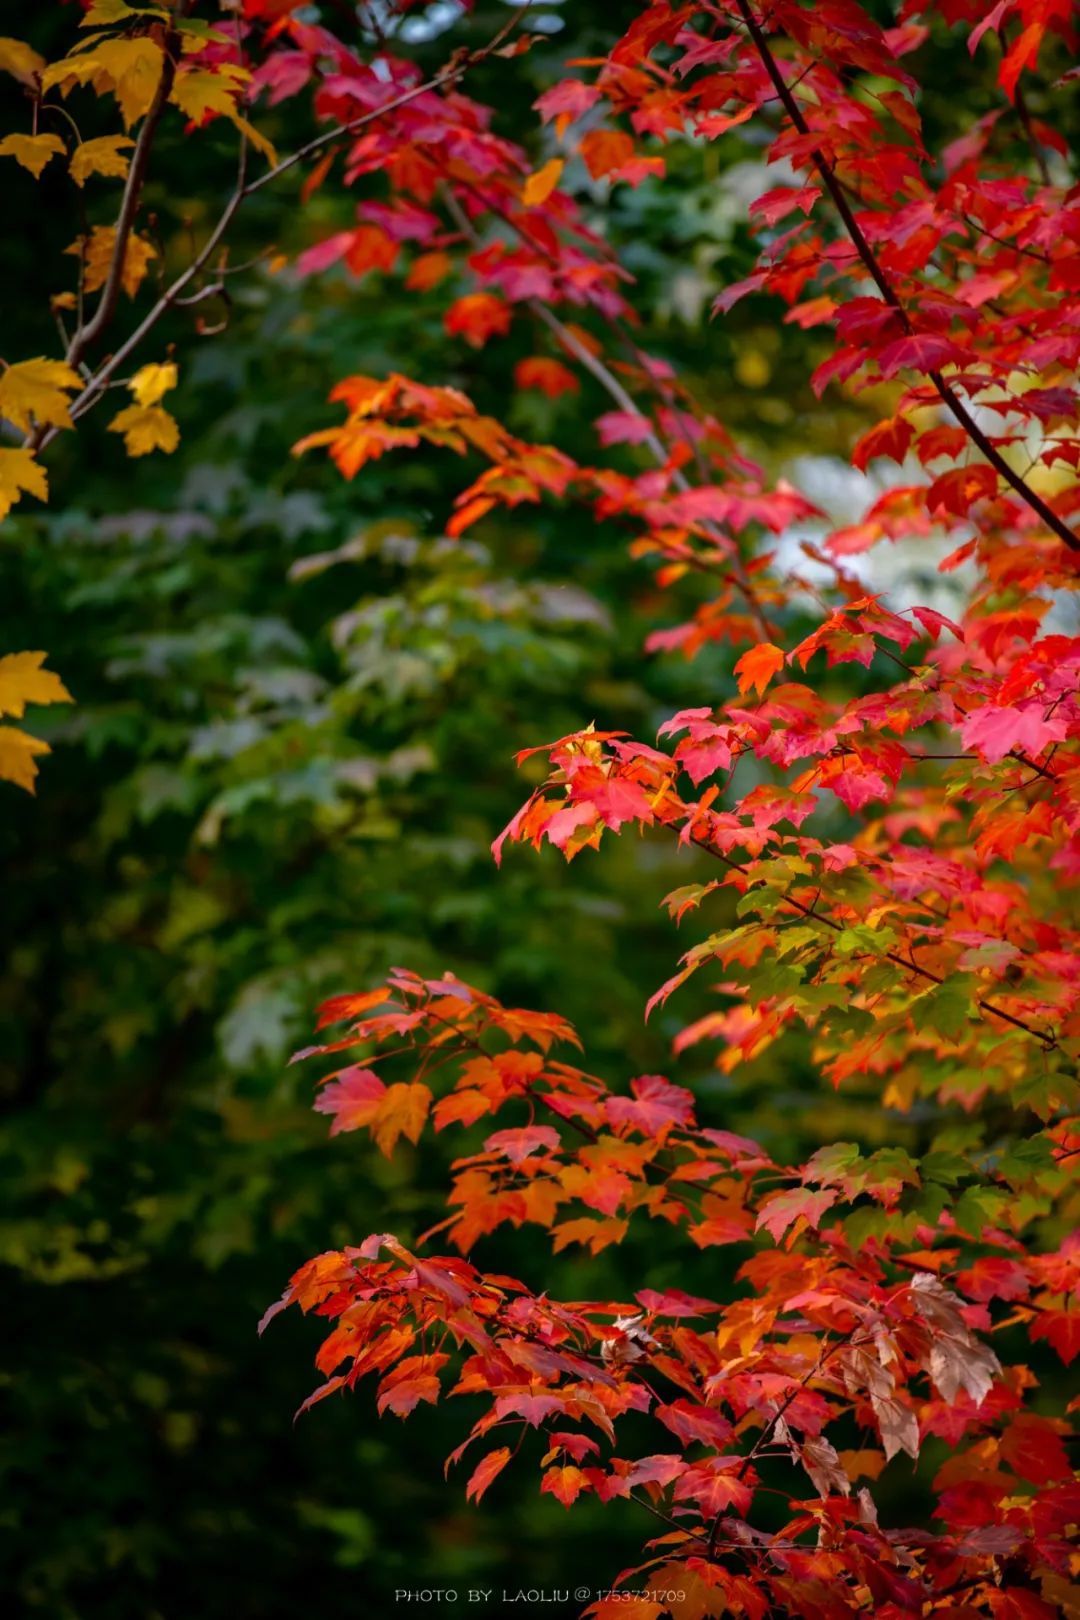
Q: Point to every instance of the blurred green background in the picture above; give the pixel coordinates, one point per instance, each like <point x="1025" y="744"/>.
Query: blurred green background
<point x="296" y="710"/>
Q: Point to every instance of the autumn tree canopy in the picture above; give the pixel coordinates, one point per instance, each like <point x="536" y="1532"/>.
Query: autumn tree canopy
<point x="869" y="774"/>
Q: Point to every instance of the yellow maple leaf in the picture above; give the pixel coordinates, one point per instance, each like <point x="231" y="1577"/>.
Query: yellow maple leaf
<point x="19" y="472"/>
<point x="103" y="13"/>
<point x="129" y="67"/>
<point x="32" y="151"/>
<point x="146" y="428"/>
<point x="17" y="750"/>
<point x="34" y="393"/>
<point x="23" y="680"/>
<point x="201" y="91"/>
<point x="257" y="139"/>
<point x="215" y="92"/>
<point x="145" y="425"/>
<point x="151" y="382"/>
<point x="103" y="155"/>
<point x="20" y="60"/>
<point x="96" y="251"/>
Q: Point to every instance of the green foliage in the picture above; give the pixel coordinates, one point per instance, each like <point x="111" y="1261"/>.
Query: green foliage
<point x="296" y="709"/>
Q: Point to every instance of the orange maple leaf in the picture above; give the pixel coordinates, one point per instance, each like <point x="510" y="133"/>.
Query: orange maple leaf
<point x="757" y="667"/>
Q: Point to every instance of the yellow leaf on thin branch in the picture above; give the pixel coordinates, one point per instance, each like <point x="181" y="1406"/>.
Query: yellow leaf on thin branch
<point x="104" y="155"/>
<point x="20" y="60"/>
<point x="35" y="392"/>
<point x="130" y="68"/>
<point x="32" y="151"/>
<point x="20" y="472"/>
<point x="23" y="680"/>
<point x="17" y="751"/>
<point x="96" y="252"/>
<point x="151" y="382"/>
<point x="146" y="428"/>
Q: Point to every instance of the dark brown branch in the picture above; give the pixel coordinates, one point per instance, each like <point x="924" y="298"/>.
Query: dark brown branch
<point x="88" y="334"/>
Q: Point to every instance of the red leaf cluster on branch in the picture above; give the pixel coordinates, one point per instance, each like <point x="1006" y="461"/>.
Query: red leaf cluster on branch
<point x="884" y="1340"/>
<point x="902" y="866"/>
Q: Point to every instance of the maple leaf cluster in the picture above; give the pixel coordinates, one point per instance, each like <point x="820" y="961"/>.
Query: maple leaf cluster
<point x="146" y="59"/>
<point x="895" y="862"/>
<point x="839" y="1331"/>
<point x="894" y="870"/>
<point x="24" y="682"/>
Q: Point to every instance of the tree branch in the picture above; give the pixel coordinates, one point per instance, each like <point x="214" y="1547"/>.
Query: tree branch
<point x="101" y="317"/>
<point x="458" y="65"/>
